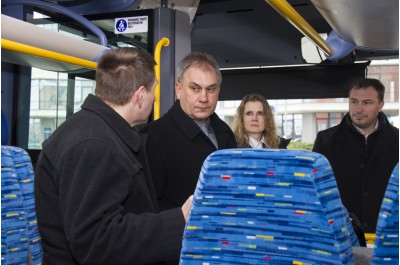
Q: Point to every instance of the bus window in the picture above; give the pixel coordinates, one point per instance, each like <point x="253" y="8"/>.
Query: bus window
<point x="49" y="104"/>
<point x="83" y="87"/>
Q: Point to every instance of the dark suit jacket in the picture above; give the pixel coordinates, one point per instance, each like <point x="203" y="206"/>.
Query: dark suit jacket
<point x="362" y="168"/>
<point x="176" y="150"/>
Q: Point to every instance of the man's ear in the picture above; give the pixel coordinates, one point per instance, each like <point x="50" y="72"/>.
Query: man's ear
<point x="381" y="104"/>
<point x="138" y="96"/>
<point x="178" y="90"/>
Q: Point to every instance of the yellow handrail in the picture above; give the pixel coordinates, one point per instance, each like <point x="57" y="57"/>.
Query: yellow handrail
<point x="290" y="14"/>
<point x="370" y="237"/>
<point x="157" y="57"/>
<point x="24" y="48"/>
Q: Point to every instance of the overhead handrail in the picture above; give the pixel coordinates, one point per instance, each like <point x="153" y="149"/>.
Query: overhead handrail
<point x="157" y="57"/>
<point x="290" y="14"/>
<point x="27" y="49"/>
<point x="68" y="12"/>
<point x="102" y="6"/>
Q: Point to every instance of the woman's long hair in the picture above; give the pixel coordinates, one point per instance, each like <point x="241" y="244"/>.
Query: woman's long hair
<point x="269" y="133"/>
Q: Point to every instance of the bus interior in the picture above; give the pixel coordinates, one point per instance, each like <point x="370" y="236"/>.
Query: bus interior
<point x="257" y="44"/>
<point x="304" y="51"/>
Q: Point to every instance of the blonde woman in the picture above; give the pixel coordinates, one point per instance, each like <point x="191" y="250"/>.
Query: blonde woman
<point x="255" y="126"/>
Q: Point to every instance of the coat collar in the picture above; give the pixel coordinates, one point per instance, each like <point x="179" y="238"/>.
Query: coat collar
<point x="191" y="129"/>
<point x="188" y="126"/>
<point x="383" y="140"/>
<point x="347" y="123"/>
<point x="118" y="124"/>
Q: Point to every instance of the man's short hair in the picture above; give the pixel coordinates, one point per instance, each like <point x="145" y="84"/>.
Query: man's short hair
<point x="120" y="72"/>
<point x="369" y="82"/>
<point x="201" y="59"/>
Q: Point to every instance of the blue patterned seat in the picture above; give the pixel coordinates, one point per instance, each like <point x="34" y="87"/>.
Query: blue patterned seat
<point x="386" y="245"/>
<point x="260" y="206"/>
<point x="20" y="235"/>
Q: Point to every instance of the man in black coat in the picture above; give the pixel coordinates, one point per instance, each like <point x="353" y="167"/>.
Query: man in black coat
<point x="363" y="151"/>
<point x="179" y="142"/>
<point x="95" y="200"/>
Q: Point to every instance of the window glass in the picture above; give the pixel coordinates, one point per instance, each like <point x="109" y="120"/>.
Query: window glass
<point x="49" y="103"/>
<point x="83" y="87"/>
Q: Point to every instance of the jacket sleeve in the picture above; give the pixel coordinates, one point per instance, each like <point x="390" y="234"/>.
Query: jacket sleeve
<point x="156" y="163"/>
<point x="94" y="183"/>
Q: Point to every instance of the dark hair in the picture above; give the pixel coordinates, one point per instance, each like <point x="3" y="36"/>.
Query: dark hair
<point x="200" y="59"/>
<point x="269" y="133"/>
<point x="364" y="83"/>
<point x="121" y="72"/>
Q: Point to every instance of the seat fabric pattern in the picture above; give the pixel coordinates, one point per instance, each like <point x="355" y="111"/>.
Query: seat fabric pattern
<point x="264" y="206"/>
<point x="386" y="244"/>
<point x="21" y="242"/>
<point x="14" y="235"/>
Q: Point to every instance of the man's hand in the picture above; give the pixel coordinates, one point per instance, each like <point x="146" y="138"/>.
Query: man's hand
<point x="186" y="207"/>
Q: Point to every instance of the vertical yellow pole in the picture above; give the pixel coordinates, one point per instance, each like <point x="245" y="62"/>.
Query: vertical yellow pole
<point x="157" y="57"/>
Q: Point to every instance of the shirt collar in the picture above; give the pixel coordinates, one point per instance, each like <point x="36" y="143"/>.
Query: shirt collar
<point x="201" y="123"/>
<point x="371" y="132"/>
<point x="256" y="144"/>
<point x="116" y="122"/>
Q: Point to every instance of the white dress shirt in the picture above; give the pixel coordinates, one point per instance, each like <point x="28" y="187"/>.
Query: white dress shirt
<point x="257" y="144"/>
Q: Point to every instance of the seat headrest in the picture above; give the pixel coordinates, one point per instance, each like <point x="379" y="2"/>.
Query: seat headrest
<point x="4" y="129"/>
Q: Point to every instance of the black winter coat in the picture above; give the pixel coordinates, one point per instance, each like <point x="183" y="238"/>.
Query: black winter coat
<point x="176" y="149"/>
<point x="362" y="167"/>
<point x="95" y="203"/>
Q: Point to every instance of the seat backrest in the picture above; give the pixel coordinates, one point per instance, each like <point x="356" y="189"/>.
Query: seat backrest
<point x="386" y="244"/>
<point x="20" y="234"/>
<point x="254" y="206"/>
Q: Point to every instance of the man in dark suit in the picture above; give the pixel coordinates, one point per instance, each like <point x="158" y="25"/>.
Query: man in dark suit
<point x="363" y="151"/>
<point x="179" y="142"/>
<point x="95" y="201"/>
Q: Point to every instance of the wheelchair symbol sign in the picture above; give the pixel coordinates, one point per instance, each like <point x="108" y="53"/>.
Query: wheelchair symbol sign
<point x="124" y="25"/>
<point x="121" y="25"/>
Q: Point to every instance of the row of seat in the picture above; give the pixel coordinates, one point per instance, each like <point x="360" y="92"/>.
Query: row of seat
<point x="20" y="238"/>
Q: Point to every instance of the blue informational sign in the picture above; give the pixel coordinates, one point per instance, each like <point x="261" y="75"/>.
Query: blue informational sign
<point x="125" y="25"/>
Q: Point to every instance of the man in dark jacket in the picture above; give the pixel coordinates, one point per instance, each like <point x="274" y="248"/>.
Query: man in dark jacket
<point x="363" y="151"/>
<point x="179" y="142"/>
<point x="95" y="200"/>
